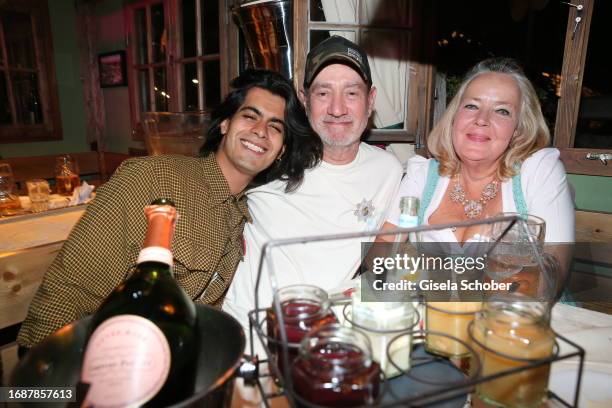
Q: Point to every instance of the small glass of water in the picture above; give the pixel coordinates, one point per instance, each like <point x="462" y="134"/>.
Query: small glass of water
<point x="38" y="191"/>
<point x="515" y="257"/>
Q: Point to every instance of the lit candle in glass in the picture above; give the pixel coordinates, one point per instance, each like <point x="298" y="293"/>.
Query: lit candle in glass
<point x="514" y="334"/>
<point x="304" y="308"/>
<point x="451" y="318"/>
<point x="335" y="369"/>
<point x="381" y="322"/>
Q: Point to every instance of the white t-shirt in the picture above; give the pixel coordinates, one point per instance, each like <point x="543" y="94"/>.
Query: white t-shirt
<point x="543" y="182"/>
<point x="332" y="199"/>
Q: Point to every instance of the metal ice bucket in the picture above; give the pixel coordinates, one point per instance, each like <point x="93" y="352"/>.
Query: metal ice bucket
<point x="268" y="31"/>
<point x="56" y="361"/>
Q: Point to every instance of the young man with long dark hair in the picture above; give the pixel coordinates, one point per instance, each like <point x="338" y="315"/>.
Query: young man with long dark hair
<point x="259" y="129"/>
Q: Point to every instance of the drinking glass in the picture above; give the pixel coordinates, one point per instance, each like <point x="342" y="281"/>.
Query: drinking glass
<point x="515" y="257"/>
<point x="66" y="174"/>
<point x="175" y="132"/>
<point x="38" y="191"/>
<point x="9" y="202"/>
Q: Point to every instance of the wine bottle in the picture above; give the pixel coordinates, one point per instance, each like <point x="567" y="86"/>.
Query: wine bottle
<point x="142" y="350"/>
<point x="409" y="218"/>
<point x="409" y="207"/>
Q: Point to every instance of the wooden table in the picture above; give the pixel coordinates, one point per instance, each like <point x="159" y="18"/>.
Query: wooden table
<point x="28" y="245"/>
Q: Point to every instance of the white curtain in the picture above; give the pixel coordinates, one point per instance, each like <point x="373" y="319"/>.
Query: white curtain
<point x="389" y="68"/>
<point x="341" y="11"/>
<point x="90" y="75"/>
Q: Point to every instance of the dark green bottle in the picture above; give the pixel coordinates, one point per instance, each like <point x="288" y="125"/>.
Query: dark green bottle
<point x="143" y="346"/>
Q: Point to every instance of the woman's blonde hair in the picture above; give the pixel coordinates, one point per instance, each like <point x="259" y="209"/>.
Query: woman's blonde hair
<point x="531" y="135"/>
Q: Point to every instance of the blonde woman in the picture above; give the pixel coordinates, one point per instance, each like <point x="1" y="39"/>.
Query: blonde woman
<point x="490" y="155"/>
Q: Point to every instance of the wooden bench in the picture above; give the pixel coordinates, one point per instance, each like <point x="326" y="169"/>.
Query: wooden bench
<point x="594" y="227"/>
<point x="593" y="251"/>
<point x="94" y="167"/>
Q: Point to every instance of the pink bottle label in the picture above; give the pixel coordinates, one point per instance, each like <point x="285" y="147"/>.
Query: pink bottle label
<point x="126" y="362"/>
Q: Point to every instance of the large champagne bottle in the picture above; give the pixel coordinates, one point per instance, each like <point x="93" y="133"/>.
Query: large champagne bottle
<point x="143" y="344"/>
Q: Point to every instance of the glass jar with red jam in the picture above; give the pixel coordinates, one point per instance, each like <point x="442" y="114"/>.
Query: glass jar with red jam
<point x="304" y="308"/>
<point x="334" y="368"/>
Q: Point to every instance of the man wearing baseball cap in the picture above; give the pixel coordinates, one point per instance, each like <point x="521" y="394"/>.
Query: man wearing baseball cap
<point x="348" y="191"/>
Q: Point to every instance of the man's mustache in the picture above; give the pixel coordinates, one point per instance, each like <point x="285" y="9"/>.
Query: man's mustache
<point x="343" y="119"/>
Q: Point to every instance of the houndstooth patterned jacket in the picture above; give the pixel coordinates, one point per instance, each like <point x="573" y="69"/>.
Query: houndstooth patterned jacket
<point x="101" y="250"/>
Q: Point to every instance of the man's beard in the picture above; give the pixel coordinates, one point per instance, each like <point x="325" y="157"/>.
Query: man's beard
<point x="341" y="139"/>
<point x="337" y="142"/>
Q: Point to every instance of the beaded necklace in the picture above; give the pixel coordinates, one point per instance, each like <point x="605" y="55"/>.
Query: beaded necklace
<point x="473" y="208"/>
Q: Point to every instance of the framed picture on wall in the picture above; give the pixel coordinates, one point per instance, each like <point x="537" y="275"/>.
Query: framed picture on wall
<point x="112" y="69"/>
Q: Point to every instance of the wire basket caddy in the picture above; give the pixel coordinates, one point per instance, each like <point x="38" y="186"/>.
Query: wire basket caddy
<point x="416" y="385"/>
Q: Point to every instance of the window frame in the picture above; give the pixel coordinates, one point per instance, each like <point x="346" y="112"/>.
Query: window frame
<point x="420" y="86"/>
<point x="134" y="68"/>
<point x="51" y="128"/>
<point x="174" y="60"/>
<point x="574" y="60"/>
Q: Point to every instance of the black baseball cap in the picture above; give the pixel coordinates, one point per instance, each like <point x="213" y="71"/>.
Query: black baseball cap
<point x="336" y="49"/>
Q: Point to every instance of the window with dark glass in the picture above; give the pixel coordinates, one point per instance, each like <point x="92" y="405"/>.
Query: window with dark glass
<point x="28" y="92"/>
<point x="174" y="56"/>
<point x="594" y="126"/>
<point x="563" y="47"/>
<point x="534" y="36"/>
